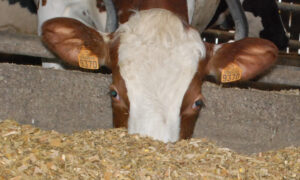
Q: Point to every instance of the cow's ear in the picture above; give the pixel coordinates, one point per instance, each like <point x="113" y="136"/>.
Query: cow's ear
<point x="75" y="43"/>
<point x="240" y="60"/>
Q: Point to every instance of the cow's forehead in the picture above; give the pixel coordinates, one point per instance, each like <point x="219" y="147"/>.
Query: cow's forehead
<point x="158" y="58"/>
<point x="156" y="50"/>
<point x="157" y="38"/>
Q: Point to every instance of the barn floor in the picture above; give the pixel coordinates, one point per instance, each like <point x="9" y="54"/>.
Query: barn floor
<point x="30" y="153"/>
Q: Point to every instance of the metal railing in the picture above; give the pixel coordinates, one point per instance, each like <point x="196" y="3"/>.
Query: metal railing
<point x="288" y="6"/>
<point x="283" y="6"/>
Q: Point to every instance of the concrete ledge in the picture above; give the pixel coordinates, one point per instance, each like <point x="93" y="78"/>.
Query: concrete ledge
<point x="249" y="120"/>
<point x="53" y="99"/>
<point x="23" y="44"/>
<point x="244" y="120"/>
<point x="282" y="75"/>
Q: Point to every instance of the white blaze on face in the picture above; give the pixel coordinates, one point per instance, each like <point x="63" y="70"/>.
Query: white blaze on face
<point x="158" y="58"/>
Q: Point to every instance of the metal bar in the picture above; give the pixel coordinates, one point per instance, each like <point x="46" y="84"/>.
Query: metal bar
<point x="239" y="17"/>
<point x="227" y="36"/>
<point x="218" y="33"/>
<point x="294" y="44"/>
<point x="288" y="7"/>
<point x="112" y="21"/>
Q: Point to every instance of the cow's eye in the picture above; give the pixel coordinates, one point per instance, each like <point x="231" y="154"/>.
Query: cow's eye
<point x="114" y="94"/>
<point x="198" y="104"/>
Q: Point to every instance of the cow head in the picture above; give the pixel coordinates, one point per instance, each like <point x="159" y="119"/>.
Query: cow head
<point x="158" y="63"/>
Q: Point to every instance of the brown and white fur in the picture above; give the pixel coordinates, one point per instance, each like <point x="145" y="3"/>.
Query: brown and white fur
<point x="158" y="63"/>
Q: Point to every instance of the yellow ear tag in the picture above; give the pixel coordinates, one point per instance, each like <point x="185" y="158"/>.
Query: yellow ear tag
<point x="87" y="59"/>
<point x="232" y="72"/>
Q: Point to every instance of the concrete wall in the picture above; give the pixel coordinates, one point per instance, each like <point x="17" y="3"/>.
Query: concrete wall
<point x="245" y="120"/>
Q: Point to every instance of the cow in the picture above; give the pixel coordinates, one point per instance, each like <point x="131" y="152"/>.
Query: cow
<point x="158" y="63"/>
<point x="263" y="20"/>
<point x="90" y="12"/>
<point x="18" y="16"/>
<point x="30" y="5"/>
<point x="93" y="14"/>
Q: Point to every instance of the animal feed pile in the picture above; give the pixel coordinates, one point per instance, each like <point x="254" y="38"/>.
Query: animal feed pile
<point x="27" y="152"/>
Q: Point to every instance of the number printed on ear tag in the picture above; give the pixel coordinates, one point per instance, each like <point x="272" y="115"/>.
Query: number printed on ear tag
<point x="232" y="72"/>
<point x="87" y="59"/>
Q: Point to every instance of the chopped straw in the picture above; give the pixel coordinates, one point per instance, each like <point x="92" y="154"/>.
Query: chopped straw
<point x="27" y="152"/>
